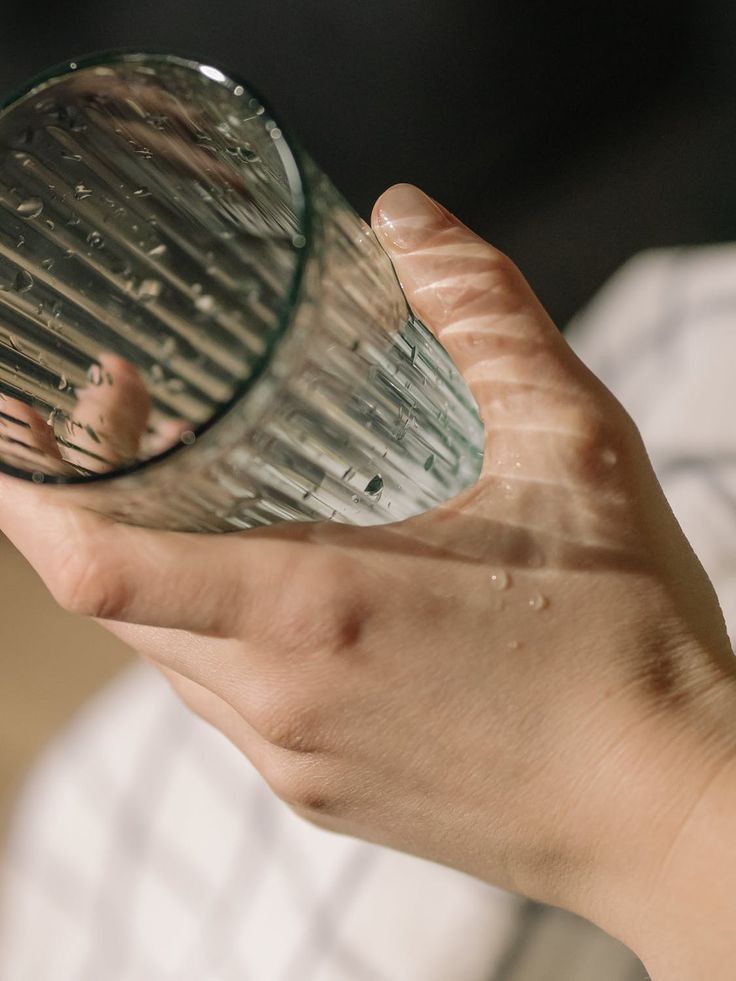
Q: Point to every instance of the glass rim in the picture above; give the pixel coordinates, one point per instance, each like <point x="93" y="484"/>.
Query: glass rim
<point x="292" y="157"/>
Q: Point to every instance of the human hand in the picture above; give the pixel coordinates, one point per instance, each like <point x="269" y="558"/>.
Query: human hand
<point x="531" y="683"/>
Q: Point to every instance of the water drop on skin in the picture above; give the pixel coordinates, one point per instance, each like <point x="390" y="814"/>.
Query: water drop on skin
<point x="37" y="477"/>
<point x="500" y="580"/>
<point x="538" y="602"/>
<point x="187" y="438"/>
<point x="95" y="240"/>
<point x="30" y="208"/>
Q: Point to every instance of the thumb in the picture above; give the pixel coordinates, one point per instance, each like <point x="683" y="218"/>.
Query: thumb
<point x="480" y="307"/>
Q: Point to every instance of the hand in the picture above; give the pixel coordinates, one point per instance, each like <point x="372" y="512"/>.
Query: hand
<point x="532" y="683"/>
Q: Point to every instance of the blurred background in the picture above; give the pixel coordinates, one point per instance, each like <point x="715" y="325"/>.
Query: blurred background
<point x="571" y="134"/>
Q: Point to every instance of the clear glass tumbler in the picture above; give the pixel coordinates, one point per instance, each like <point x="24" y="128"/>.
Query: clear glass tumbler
<point x="196" y="331"/>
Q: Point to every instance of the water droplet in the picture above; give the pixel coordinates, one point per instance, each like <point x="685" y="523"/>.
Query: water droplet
<point x="148" y="290"/>
<point x="71" y="156"/>
<point x="187" y="437"/>
<point x="37" y="477"/>
<point x="81" y="192"/>
<point x="500" y="580"/>
<point x="157" y="250"/>
<point x="94" y="374"/>
<point x="538" y="602"/>
<point x="175" y="385"/>
<point x="30" y="208"/>
<point x="47" y="264"/>
<point x="168" y="348"/>
<point x="374" y="488"/>
<point x="23" y="281"/>
<point x="205" y="303"/>
<point x="73" y="65"/>
<point x="25" y="137"/>
<point x="56" y="308"/>
<point x="429" y="462"/>
<point x="298" y="241"/>
<point x="141" y="192"/>
<point x="63" y="383"/>
<point x="157" y="373"/>
<point x="356" y="499"/>
<point x="238" y="90"/>
<point x="95" y="240"/>
<point x="50" y="224"/>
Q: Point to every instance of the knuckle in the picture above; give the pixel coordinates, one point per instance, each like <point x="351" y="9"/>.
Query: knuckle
<point x="325" y="614"/>
<point x="87" y="585"/>
<point x="603" y="438"/>
<point x="503" y="279"/>
<point x="287" y="721"/>
<point x="301" y="784"/>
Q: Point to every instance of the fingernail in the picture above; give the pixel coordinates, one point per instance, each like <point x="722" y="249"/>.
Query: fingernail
<point x="406" y="217"/>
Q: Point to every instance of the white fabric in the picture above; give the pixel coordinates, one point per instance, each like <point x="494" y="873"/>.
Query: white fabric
<point x="145" y="848"/>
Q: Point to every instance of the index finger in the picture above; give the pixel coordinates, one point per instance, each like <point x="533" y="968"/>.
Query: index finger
<point x="97" y="567"/>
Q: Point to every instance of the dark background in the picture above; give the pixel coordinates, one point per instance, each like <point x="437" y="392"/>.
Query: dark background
<point x="572" y="134"/>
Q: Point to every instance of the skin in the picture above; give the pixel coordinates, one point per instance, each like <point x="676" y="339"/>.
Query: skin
<point x="532" y="683"/>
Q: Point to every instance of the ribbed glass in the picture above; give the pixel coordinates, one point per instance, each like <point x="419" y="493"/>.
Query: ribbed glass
<point x="196" y="331"/>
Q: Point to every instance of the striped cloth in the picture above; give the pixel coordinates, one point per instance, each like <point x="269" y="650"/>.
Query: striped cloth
<point x="145" y="848"/>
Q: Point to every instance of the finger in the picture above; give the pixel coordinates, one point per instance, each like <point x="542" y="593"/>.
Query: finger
<point x="543" y="410"/>
<point x="110" y="416"/>
<point x="212" y="584"/>
<point x="476" y="302"/>
<point x="216" y="662"/>
<point x="27" y="441"/>
<point x="304" y="781"/>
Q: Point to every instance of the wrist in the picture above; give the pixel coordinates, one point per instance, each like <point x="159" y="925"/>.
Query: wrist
<point x="668" y="881"/>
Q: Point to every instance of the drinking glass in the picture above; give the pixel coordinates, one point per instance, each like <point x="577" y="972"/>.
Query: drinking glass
<point x="196" y="331"/>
